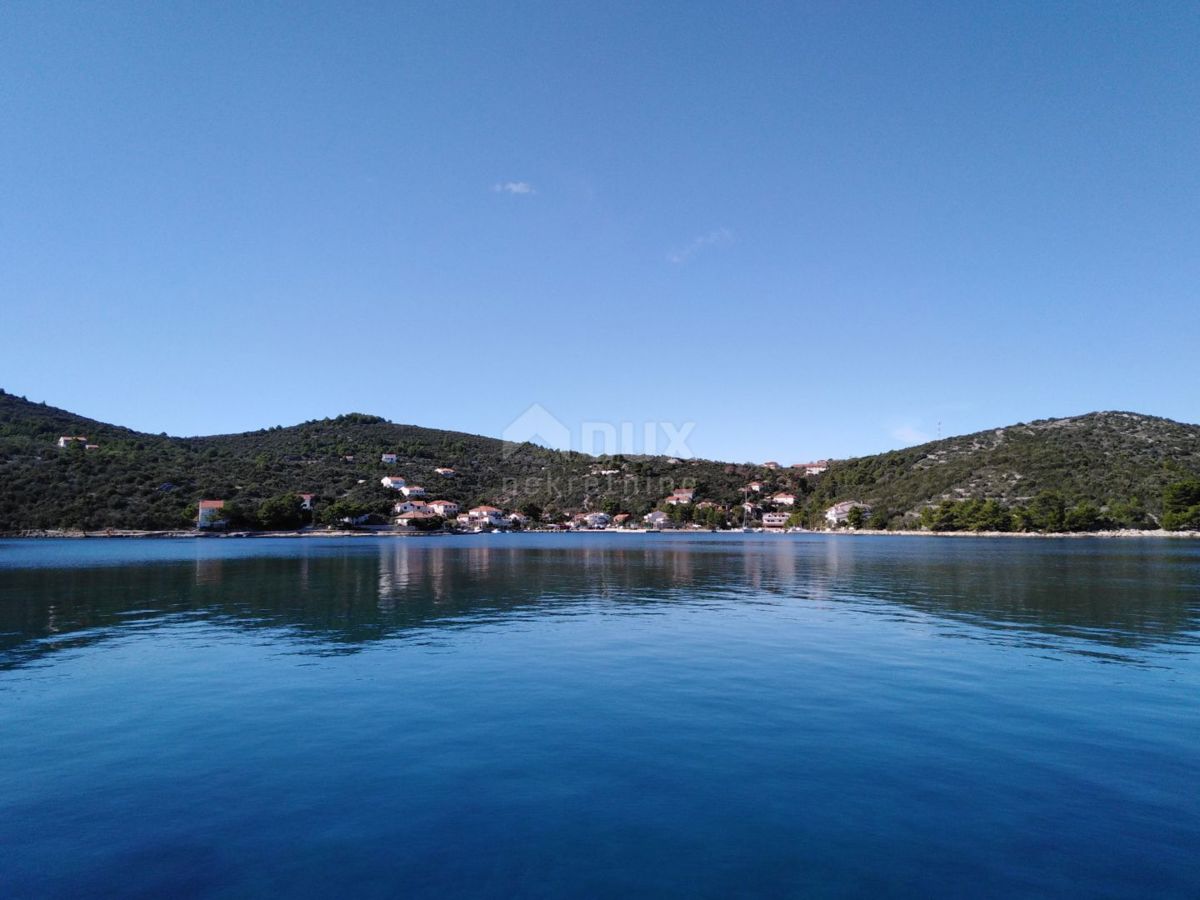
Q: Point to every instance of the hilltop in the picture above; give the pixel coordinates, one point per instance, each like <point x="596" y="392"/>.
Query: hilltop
<point x="1121" y="463"/>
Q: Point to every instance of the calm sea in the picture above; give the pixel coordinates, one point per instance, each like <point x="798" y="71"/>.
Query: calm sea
<point x="601" y="716"/>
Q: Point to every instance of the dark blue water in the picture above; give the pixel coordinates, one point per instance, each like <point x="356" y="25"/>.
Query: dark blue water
<point x="598" y="715"/>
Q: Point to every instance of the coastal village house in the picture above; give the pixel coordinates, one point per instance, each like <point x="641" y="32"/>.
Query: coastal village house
<point x="771" y="464"/>
<point x="657" y="519"/>
<point x="413" y="490"/>
<point x="445" y="472"/>
<point x="620" y="519"/>
<point x="680" y="497"/>
<point x="66" y="441"/>
<point x="784" y="499"/>
<point x="813" y="468"/>
<point x="414" y="518"/>
<point x="597" y="520"/>
<point x="775" y="520"/>
<point x="306" y="501"/>
<point x="486" y="515"/>
<point x="395" y="482"/>
<point x="519" y="520"/>
<point x="754" y="486"/>
<point x="389" y="458"/>
<point x="400" y="507"/>
<point x="838" y="513"/>
<point x="445" y="508"/>
<point x="209" y="513"/>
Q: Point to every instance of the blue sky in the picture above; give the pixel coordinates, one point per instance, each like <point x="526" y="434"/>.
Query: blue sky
<point x="809" y="229"/>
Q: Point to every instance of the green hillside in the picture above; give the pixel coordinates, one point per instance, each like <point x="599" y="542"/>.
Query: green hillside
<point x="137" y="480"/>
<point x="1105" y="469"/>
<point x="1118" y="462"/>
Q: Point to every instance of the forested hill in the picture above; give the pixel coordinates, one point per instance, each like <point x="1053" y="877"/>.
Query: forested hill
<point x="138" y="480"/>
<point x="1118" y="463"/>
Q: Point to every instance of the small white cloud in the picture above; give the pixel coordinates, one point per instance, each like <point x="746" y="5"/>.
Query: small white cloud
<point x="712" y="239"/>
<point x="513" y="187"/>
<point x="908" y="435"/>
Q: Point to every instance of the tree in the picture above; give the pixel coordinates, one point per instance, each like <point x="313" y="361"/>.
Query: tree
<point x="280" y="513"/>
<point x="1181" y="505"/>
<point x="1084" y="516"/>
<point x="1049" y="511"/>
<point x="854" y="517"/>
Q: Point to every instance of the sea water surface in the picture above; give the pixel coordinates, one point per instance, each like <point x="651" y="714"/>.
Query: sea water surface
<point x="600" y="715"/>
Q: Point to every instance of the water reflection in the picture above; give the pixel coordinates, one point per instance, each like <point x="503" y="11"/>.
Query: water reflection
<point x="1086" y="594"/>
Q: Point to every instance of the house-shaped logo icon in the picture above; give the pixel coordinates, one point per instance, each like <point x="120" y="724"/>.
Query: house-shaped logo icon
<point x="537" y="425"/>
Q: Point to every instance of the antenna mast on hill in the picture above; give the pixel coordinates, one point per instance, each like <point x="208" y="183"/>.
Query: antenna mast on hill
<point x="939" y="430"/>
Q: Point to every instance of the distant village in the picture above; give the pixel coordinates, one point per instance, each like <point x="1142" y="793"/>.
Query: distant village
<point x="413" y="512"/>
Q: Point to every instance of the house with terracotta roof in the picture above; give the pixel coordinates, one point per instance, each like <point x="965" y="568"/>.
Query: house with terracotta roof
<point x="444" y="508"/>
<point x="406" y="506"/>
<point x="395" y="482"/>
<point x="209" y="513"/>
<point x="445" y="472"/>
<point x="680" y="497"/>
<point x="415" y="518"/>
<point x="306" y="501"/>
<point x="413" y="490"/>
<point x="784" y="499"/>
<point x="67" y="440"/>
<point x="771" y="464"/>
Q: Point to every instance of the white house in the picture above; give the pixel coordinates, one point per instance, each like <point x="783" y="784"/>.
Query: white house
<point x="597" y="520"/>
<point x="814" y="468"/>
<point x="306" y="501"/>
<point x="413" y="490"/>
<point x="838" y="513"/>
<point x="775" y="519"/>
<point x="771" y="464"/>
<point x="520" y="520"/>
<point x="445" y="472"/>
<point x="406" y="506"/>
<point x="784" y="499"/>
<point x="487" y="515"/>
<point x="389" y="458"/>
<point x="657" y="519"/>
<point x="444" y="508"/>
<point x="755" y="486"/>
<point x="66" y="441"/>
<point x="209" y="513"/>
<point x="395" y="482"/>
